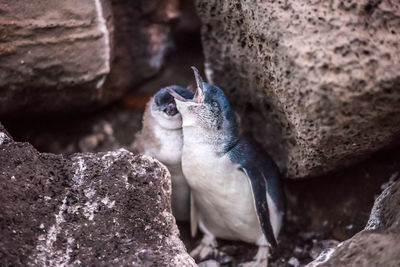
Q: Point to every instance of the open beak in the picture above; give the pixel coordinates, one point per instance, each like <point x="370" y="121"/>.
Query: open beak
<point x="177" y="96"/>
<point x="198" y="96"/>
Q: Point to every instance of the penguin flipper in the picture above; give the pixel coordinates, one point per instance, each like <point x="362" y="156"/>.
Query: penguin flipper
<point x="193" y="216"/>
<point x="258" y="186"/>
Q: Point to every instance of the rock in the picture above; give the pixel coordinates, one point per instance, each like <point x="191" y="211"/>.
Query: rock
<point x="323" y="74"/>
<point x="378" y="244"/>
<point x="142" y="39"/>
<point x="294" y="262"/>
<point x="60" y="56"/>
<point x="53" y="54"/>
<point x="319" y="247"/>
<point x="86" y="209"/>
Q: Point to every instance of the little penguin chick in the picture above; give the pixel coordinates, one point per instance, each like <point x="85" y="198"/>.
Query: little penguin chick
<point x="235" y="186"/>
<point x="161" y="138"/>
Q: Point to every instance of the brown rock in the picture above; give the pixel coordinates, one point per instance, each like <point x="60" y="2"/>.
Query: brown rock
<point x="378" y="244"/>
<point x="54" y="55"/>
<point x="142" y="39"/>
<point x="86" y="209"/>
<point x="68" y="55"/>
<point x="323" y="74"/>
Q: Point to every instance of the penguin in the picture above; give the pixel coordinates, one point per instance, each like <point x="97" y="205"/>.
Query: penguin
<point x="236" y="191"/>
<point x="161" y="138"/>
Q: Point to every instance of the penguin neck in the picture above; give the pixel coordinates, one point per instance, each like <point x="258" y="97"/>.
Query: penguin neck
<point x="221" y="141"/>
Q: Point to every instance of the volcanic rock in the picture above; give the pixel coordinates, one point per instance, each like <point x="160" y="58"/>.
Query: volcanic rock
<point x="317" y="81"/>
<point x="90" y="209"/>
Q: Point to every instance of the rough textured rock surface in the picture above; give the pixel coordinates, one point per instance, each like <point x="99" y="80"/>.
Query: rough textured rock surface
<point x="86" y="209"/>
<point x="378" y="244"/>
<point x="324" y="74"/>
<point x="69" y="55"/>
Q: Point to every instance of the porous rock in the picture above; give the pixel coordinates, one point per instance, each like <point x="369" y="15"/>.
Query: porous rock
<point x="325" y="75"/>
<point x="86" y="209"/>
<point x="72" y="55"/>
<point x="378" y="244"/>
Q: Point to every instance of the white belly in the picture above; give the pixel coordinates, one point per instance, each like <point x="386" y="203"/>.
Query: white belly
<point x="169" y="150"/>
<point x="222" y="194"/>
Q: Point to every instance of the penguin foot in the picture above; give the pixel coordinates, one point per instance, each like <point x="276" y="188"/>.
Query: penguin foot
<point x="261" y="258"/>
<point x="206" y="248"/>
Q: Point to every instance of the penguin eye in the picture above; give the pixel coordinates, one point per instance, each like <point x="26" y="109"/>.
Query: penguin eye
<point x="214" y="104"/>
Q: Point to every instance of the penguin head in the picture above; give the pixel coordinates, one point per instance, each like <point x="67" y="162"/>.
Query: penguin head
<point x="163" y="107"/>
<point x="208" y="108"/>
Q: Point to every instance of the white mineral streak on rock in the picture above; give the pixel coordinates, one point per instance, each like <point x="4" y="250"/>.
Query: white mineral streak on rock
<point x="110" y="157"/>
<point x="55" y="229"/>
<point x="391" y="180"/>
<point x="79" y="173"/>
<point x="45" y="253"/>
<point x="106" y="201"/>
<point x="89" y="192"/>
<point x="70" y="243"/>
<point x="3" y="137"/>
<point x="374" y="220"/>
<point x="322" y="258"/>
<point x="90" y="208"/>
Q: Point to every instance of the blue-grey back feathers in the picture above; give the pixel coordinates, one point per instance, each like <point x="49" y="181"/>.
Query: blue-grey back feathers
<point x="264" y="178"/>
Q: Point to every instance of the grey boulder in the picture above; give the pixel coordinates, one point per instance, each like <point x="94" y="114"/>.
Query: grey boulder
<point x="88" y="209"/>
<point x="322" y="77"/>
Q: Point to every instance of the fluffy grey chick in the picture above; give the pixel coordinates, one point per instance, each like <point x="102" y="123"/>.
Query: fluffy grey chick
<point x="161" y="138"/>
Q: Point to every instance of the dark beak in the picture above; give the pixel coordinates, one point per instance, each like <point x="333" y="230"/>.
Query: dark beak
<point x="198" y="96"/>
